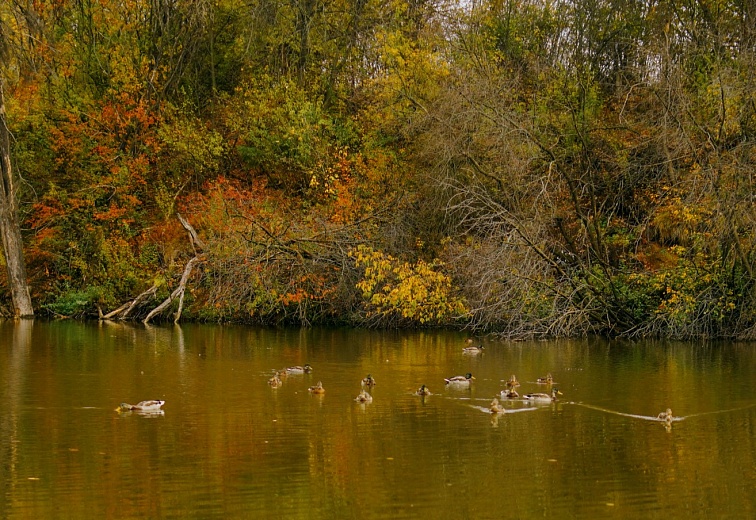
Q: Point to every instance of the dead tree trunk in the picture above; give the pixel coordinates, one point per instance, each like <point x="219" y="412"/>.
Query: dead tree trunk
<point x="124" y="310"/>
<point x="9" y="226"/>
<point x="178" y="292"/>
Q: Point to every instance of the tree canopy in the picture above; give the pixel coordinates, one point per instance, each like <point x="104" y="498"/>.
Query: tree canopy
<point x="528" y="168"/>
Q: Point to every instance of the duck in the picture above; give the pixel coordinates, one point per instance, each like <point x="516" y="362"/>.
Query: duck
<point x="509" y="393"/>
<point x="473" y="349"/>
<point x="545" y="380"/>
<point x="460" y="381"/>
<point x="364" y="397"/>
<point x="543" y="397"/>
<point x="142" y="406"/>
<point x="298" y="369"/>
<point x="512" y="382"/>
<point x="496" y="407"/>
<point x="368" y="381"/>
<point x="423" y="390"/>
<point x="317" y="389"/>
<point x="665" y="416"/>
<point x="275" y="381"/>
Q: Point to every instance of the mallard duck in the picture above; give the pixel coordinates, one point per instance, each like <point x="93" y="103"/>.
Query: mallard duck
<point x="495" y="407"/>
<point x="143" y="406"/>
<point x="509" y="393"/>
<point x="423" y="390"/>
<point x="275" y="381"/>
<point x="460" y="381"/>
<point x="543" y="397"/>
<point x="545" y="380"/>
<point x="368" y="381"/>
<point x="512" y="382"/>
<point x="317" y="389"/>
<point x="473" y="350"/>
<point x="364" y="397"/>
<point x="665" y="416"/>
<point x="298" y="370"/>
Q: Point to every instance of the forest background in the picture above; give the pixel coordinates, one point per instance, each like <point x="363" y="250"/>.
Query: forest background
<point x="531" y="168"/>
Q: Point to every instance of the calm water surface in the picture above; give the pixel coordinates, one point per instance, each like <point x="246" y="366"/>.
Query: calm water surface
<point x="230" y="446"/>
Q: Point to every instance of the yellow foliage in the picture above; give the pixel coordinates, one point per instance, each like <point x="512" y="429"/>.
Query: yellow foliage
<point x="413" y="292"/>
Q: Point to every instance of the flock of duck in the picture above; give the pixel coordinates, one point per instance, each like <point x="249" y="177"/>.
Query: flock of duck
<point x="459" y="382"/>
<point x="367" y="384"/>
<point x="277" y="381"/>
<point x="510" y="392"/>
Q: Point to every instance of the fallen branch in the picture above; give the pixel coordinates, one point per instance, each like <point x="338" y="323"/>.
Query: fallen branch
<point x="124" y="310"/>
<point x="193" y="236"/>
<point x="178" y="292"/>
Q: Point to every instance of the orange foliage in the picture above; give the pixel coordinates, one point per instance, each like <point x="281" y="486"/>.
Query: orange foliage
<point x="112" y="213"/>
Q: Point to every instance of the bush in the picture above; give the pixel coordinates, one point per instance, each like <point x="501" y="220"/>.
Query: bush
<point x="400" y="293"/>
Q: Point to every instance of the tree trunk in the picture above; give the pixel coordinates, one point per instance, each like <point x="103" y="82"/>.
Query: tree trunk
<point x="9" y="227"/>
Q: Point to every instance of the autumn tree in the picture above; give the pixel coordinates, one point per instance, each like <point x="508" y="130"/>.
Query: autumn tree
<point x="16" y="25"/>
<point x="584" y="156"/>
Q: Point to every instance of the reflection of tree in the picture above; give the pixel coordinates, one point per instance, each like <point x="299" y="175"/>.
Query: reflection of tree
<point x="10" y="401"/>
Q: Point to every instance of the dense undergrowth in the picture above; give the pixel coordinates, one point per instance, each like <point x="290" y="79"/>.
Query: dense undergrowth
<point x="525" y="168"/>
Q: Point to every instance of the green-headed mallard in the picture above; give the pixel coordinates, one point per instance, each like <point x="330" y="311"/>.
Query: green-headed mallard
<point x="512" y="382"/>
<point x="495" y="406"/>
<point x="275" y="381"/>
<point x="665" y="416"/>
<point x="545" y="380"/>
<point x="423" y="390"/>
<point x="543" y="397"/>
<point x="317" y="389"/>
<point x="143" y="406"/>
<point x="298" y="370"/>
<point x="509" y="393"/>
<point x="460" y="381"/>
<point x="364" y="397"/>
<point x="368" y="381"/>
<point x="473" y="349"/>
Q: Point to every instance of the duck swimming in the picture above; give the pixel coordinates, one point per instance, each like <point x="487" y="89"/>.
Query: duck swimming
<point x="460" y="381"/>
<point x="423" y="390"/>
<point x="364" y="397"/>
<point x="368" y="381"/>
<point x="275" y="381"/>
<point x="543" y="397"/>
<point x="473" y="349"/>
<point x="665" y="416"/>
<point x="545" y="380"/>
<point x="509" y="393"/>
<point x="512" y="382"/>
<point x="317" y="389"/>
<point x="495" y="406"/>
<point x="143" y="406"/>
<point x="298" y="369"/>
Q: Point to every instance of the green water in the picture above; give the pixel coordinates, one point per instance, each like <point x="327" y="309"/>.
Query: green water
<point x="229" y="446"/>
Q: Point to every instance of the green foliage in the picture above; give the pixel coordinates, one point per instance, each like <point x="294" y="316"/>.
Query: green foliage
<point x="290" y="136"/>
<point x="74" y="303"/>
<point x="695" y="298"/>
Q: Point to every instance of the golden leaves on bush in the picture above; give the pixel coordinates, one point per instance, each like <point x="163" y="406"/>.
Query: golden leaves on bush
<point x="417" y="292"/>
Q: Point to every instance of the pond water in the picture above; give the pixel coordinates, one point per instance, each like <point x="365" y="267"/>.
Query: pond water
<point x="227" y="445"/>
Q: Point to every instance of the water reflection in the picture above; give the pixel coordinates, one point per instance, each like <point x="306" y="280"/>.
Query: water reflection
<point x="227" y="444"/>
